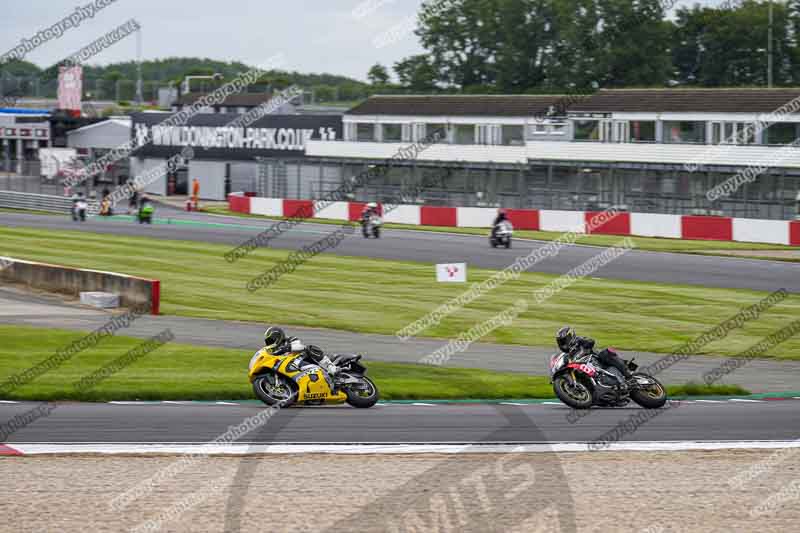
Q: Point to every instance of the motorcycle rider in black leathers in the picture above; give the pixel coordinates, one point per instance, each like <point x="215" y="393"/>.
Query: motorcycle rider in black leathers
<point x="369" y="210"/>
<point x="277" y="343"/>
<point x="501" y="217"/>
<point x="572" y="345"/>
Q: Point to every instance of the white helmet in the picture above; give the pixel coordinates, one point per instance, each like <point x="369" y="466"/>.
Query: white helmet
<point x="372" y="205"/>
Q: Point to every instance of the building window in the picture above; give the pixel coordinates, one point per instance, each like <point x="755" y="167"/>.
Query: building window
<point x="643" y="131"/>
<point x="365" y="132"/>
<point x="745" y="133"/>
<point x="716" y="133"/>
<point x="513" y="136"/>
<point x="587" y="130"/>
<point x="559" y="129"/>
<point x="431" y="129"/>
<point x="781" y="133"/>
<point x="685" y="132"/>
<point x="733" y="133"/>
<point x="464" y="134"/>
<point x="392" y="133"/>
<point x="540" y="129"/>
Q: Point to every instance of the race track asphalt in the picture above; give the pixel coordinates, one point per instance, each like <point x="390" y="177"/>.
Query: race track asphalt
<point x="431" y="247"/>
<point x="404" y="423"/>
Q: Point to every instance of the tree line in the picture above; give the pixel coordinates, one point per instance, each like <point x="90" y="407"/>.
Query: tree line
<point x="545" y="46"/>
<point x="23" y="78"/>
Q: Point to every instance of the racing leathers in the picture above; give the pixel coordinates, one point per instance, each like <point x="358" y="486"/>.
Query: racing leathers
<point x="367" y="213"/>
<point x="309" y="355"/>
<point x="501" y="217"/>
<point x="606" y="357"/>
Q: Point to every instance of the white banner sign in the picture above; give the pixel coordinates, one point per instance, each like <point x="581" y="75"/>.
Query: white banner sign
<point x="451" y="272"/>
<point x="70" y="87"/>
<point x="231" y="137"/>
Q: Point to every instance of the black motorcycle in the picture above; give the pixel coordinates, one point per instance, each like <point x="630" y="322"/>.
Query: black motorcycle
<point x="582" y="381"/>
<point x="501" y="234"/>
<point x="371" y="225"/>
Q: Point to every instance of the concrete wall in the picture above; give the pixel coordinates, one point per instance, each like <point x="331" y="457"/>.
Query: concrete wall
<point x="561" y="220"/>
<point x="642" y="224"/>
<point x="656" y="225"/>
<point x="132" y="291"/>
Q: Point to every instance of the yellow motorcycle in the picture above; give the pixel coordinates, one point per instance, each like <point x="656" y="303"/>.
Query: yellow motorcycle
<point x="288" y="378"/>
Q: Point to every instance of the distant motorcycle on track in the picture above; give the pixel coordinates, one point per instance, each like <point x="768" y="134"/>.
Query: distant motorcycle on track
<point x="582" y="381"/>
<point x="79" y="208"/>
<point x="146" y="211"/>
<point x="371" y="225"/>
<point x="501" y="234"/>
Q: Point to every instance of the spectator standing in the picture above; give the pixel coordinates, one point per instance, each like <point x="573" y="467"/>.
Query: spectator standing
<point x="195" y="192"/>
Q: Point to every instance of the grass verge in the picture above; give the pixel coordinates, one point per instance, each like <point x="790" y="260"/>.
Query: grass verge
<point x="380" y="296"/>
<point x="653" y="244"/>
<point x="184" y="372"/>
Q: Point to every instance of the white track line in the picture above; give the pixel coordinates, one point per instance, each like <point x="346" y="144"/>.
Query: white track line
<point x="256" y="449"/>
<point x="745" y="400"/>
<point x="708" y="401"/>
<point x="227" y="403"/>
<point x="513" y="403"/>
<point x="425" y="404"/>
<point x="8" y="401"/>
<point x="126" y="403"/>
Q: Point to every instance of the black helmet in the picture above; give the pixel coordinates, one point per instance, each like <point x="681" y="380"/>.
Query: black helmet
<point x="274" y="337"/>
<point x="565" y="337"/>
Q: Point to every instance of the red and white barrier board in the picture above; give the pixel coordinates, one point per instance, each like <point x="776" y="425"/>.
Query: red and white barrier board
<point x="640" y="224"/>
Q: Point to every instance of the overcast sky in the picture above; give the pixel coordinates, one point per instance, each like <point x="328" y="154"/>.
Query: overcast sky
<point x="335" y="36"/>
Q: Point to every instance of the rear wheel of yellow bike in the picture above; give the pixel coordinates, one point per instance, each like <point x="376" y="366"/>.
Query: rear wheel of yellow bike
<point x="275" y="389"/>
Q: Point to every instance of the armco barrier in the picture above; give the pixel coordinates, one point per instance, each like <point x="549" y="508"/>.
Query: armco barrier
<point x="133" y="291"/>
<point x="639" y="224"/>
<point x="41" y="202"/>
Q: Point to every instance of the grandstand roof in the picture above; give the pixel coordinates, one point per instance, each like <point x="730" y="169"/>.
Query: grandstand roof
<point x="718" y="100"/>
<point x="521" y="105"/>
